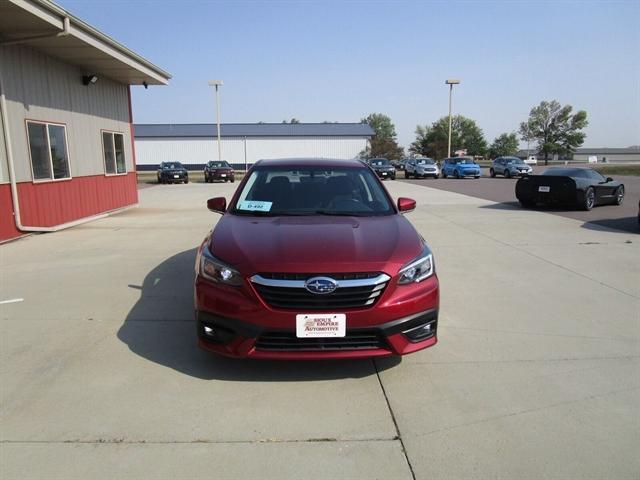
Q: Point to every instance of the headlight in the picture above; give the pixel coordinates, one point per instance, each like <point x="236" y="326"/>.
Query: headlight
<point x="217" y="271"/>
<point x="417" y="270"/>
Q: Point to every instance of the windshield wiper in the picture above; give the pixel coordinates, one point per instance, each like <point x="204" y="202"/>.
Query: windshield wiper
<point x="341" y="214"/>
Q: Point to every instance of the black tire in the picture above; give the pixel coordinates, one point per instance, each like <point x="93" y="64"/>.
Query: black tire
<point x="507" y="174"/>
<point x="435" y="177"/>
<point x="456" y="174"/>
<point x="393" y="177"/>
<point x="477" y="176"/>
<point x="186" y="180"/>
<point x="159" y="180"/>
<point x="527" y="203"/>
<point x="589" y="200"/>
<point x="492" y="173"/>
<point x="233" y="180"/>
<point x="444" y="174"/>
<point x="619" y="194"/>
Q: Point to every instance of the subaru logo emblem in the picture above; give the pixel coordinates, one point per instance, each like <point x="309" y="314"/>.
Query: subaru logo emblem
<point x="321" y="285"/>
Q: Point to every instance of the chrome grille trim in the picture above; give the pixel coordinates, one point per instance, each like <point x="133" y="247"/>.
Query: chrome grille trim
<point x="364" y="282"/>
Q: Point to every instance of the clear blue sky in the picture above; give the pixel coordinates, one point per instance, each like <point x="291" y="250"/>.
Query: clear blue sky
<point x="339" y="61"/>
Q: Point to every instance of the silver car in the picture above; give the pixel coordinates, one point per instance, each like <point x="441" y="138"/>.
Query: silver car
<point x="509" y="167"/>
<point x="421" y="168"/>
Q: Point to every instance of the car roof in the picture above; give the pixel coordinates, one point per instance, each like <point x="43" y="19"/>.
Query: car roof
<point x="308" y="162"/>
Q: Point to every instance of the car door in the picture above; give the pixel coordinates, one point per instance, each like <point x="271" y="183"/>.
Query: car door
<point x="504" y="165"/>
<point x="604" y="190"/>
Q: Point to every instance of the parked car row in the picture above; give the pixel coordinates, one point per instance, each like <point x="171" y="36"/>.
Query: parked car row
<point x="176" y="172"/>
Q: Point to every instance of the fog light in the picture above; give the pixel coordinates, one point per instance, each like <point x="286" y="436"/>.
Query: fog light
<point x="421" y="332"/>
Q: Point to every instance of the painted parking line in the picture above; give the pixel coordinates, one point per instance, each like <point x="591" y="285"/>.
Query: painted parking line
<point x="12" y="300"/>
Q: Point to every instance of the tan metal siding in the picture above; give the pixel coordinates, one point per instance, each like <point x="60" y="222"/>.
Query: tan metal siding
<point x="4" y="168"/>
<point x="40" y="87"/>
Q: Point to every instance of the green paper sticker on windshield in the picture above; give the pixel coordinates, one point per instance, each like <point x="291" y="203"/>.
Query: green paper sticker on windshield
<point x="255" y="205"/>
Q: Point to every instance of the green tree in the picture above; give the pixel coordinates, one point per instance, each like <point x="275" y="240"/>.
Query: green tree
<point x="504" y="145"/>
<point x="432" y="140"/>
<point x="384" y="142"/>
<point x="293" y="120"/>
<point x="555" y="129"/>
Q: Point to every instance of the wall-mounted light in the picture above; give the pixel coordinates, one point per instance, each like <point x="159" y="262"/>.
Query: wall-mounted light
<point x="89" y="79"/>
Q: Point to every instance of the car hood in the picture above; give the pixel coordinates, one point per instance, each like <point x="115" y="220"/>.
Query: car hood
<point x="175" y="170"/>
<point x="315" y="244"/>
<point x="468" y="165"/>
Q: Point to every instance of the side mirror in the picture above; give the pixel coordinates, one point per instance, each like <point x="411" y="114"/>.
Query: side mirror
<point x="609" y="179"/>
<point x="406" y="204"/>
<point x="217" y="204"/>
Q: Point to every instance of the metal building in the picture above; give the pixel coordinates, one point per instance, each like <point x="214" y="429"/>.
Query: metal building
<point x="243" y="144"/>
<point x="66" y="143"/>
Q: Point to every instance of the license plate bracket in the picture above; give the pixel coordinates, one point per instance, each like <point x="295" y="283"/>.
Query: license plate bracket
<point x="321" y="325"/>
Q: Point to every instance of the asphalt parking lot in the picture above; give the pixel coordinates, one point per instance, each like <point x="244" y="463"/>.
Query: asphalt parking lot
<point x="535" y="376"/>
<point x="502" y="191"/>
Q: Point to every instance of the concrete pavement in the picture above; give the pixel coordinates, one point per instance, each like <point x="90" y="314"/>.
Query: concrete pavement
<point x="536" y="373"/>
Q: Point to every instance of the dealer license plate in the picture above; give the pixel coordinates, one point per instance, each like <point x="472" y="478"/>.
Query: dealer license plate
<point x="384" y="174"/>
<point x="544" y="189"/>
<point x="176" y="176"/>
<point x="223" y="174"/>
<point x="321" y="325"/>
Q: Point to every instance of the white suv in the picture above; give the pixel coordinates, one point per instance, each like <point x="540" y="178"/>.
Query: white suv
<point x="421" y="168"/>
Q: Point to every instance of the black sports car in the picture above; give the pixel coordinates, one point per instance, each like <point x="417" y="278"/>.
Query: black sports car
<point x="580" y="187"/>
<point x="172" y="172"/>
<point x="383" y="168"/>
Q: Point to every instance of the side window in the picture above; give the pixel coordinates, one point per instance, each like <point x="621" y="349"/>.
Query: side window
<point x="48" y="150"/>
<point x="113" y="151"/>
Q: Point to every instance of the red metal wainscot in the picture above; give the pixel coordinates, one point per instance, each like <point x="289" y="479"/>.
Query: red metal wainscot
<point x="54" y="203"/>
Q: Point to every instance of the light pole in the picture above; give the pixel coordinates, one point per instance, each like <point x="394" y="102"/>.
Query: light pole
<point x="217" y="83"/>
<point x="451" y="83"/>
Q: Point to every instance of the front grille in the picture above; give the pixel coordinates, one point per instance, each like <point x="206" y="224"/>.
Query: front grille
<point x="335" y="276"/>
<point x="287" y="291"/>
<point x="287" y="341"/>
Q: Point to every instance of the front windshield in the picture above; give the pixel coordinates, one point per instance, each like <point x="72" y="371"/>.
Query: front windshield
<point x="172" y="166"/>
<point x="465" y="160"/>
<point x="274" y="191"/>
<point x="219" y="164"/>
<point x="515" y="160"/>
<point x="425" y="161"/>
<point x="377" y="162"/>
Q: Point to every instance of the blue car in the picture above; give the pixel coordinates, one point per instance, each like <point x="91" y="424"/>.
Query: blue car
<point x="460" y="167"/>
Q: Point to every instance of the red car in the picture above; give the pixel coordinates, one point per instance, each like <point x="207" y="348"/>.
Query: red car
<point x="310" y="260"/>
<point x="218" y="171"/>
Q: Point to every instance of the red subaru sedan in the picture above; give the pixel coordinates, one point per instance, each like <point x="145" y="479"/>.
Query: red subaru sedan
<point x="310" y="260"/>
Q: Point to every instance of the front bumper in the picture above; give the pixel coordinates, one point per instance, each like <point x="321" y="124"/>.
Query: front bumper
<point x="386" y="173"/>
<point x="175" y="177"/>
<point x="241" y="324"/>
<point x="221" y="175"/>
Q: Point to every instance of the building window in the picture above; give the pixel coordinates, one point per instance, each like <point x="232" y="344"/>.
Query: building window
<point x="48" y="148"/>
<point x="113" y="148"/>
